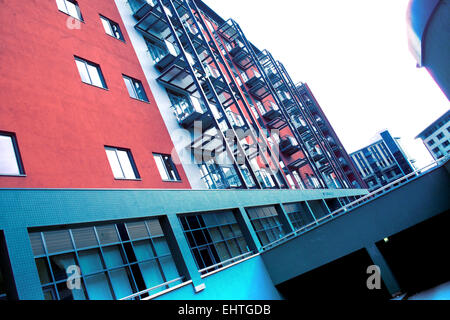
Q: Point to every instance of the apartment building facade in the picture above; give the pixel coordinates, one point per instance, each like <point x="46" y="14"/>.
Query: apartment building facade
<point x="382" y="162"/>
<point x="119" y="119"/>
<point x="436" y="137"/>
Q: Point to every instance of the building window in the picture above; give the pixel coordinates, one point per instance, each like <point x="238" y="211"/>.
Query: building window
<point x="440" y="136"/>
<point x="166" y="167"/>
<point x="213" y="237"/>
<point x="122" y="164"/>
<point x="266" y="224"/>
<point x="135" y="89"/>
<point x="446" y="144"/>
<point x="70" y="7"/>
<point x="90" y="73"/>
<point x="10" y="162"/>
<point x="298" y="214"/>
<point x="115" y="260"/>
<point x="431" y="142"/>
<point x="436" y="150"/>
<point x="112" y="28"/>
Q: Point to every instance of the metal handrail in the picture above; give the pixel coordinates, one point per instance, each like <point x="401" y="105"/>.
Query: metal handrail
<point x="369" y="197"/>
<point x="226" y="261"/>
<point x="151" y="289"/>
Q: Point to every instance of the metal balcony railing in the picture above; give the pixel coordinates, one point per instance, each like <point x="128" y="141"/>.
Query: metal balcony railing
<point x="355" y="204"/>
<point x="225" y="264"/>
<point x="139" y="294"/>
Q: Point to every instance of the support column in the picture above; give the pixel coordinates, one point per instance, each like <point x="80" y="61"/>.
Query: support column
<point x="191" y="266"/>
<point x="284" y="219"/>
<point x="386" y="274"/>
<point x="249" y="233"/>
<point x="23" y="266"/>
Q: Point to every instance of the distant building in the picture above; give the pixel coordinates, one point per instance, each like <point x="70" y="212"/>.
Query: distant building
<point x="436" y="137"/>
<point x="382" y="162"/>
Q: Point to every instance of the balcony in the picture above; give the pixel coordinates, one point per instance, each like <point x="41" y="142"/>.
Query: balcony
<point x="317" y="155"/>
<point x="208" y="145"/>
<point x="297" y="164"/>
<point x="299" y="124"/>
<point x="176" y="74"/>
<point x="188" y="114"/>
<point x="193" y="36"/>
<point x="257" y="87"/>
<point x="228" y="31"/>
<point x="238" y="124"/>
<point x="140" y="8"/>
<point x="272" y="111"/>
<point x="241" y="57"/>
<point x="325" y="168"/>
<point x="151" y="19"/>
<point x="274" y="78"/>
<point x="287" y="101"/>
<point x="217" y="177"/>
<point x="289" y="146"/>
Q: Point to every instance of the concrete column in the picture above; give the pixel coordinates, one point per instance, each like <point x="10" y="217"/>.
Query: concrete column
<point x="311" y="211"/>
<point x="326" y="206"/>
<point x="386" y="274"/>
<point x="25" y="273"/>
<point x="249" y="233"/>
<point x="284" y="219"/>
<point x="183" y="245"/>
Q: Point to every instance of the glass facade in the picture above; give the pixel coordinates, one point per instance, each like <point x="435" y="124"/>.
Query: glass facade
<point x="114" y="261"/>
<point x="266" y="223"/>
<point x="213" y="237"/>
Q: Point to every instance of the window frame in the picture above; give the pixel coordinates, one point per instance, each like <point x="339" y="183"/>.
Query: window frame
<point x="131" y="162"/>
<point x="133" y="81"/>
<point x="123" y="244"/>
<point x="172" y="164"/>
<point x="94" y="65"/>
<point x="75" y="3"/>
<point x="17" y="154"/>
<point x="112" y="23"/>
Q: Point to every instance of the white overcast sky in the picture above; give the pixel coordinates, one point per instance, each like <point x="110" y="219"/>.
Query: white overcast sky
<point x="354" y="56"/>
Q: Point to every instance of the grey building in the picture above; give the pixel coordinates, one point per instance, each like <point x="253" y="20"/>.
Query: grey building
<point x="436" y="137"/>
<point x="382" y="162"/>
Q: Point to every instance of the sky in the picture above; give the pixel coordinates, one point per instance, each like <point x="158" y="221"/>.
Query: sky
<point x="354" y="56"/>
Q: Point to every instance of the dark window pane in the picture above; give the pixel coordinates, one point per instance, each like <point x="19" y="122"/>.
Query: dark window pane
<point x="193" y="222"/>
<point x="199" y="237"/>
<point x="60" y="264"/>
<point x="43" y="270"/>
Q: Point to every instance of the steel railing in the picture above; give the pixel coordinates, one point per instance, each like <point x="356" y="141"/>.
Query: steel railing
<point x="357" y="203"/>
<point x="138" y="294"/>
<point x="223" y="264"/>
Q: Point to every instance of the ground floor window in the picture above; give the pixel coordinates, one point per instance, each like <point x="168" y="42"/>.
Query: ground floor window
<point x="213" y="237"/>
<point x="113" y="261"/>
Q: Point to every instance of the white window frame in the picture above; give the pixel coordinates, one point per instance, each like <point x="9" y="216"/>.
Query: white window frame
<point x="90" y="73"/>
<point x="165" y="172"/>
<point x="62" y="6"/>
<point x="108" y="25"/>
<point x="11" y="156"/>
<point x="123" y="168"/>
